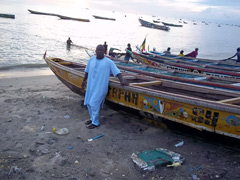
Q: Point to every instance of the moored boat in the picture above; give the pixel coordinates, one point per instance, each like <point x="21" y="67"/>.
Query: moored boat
<point x="170" y="24"/>
<point x="42" y="13"/>
<point x="104" y="18"/>
<point x="11" y="16"/>
<point x="175" y="64"/>
<point x="204" y="109"/>
<point x="71" y="18"/>
<point x="179" y="76"/>
<point x="228" y="64"/>
<point x="152" y="25"/>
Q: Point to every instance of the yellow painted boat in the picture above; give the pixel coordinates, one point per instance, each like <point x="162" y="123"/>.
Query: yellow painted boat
<point x="216" y="111"/>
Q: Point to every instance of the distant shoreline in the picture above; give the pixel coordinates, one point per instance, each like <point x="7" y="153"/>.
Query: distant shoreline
<point x="24" y="72"/>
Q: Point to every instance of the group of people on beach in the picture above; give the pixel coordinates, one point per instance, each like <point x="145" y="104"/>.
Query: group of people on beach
<point x="192" y="54"/>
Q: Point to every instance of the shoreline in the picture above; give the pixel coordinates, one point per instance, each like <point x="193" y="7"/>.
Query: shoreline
<point x="32" y="106"/>
<point x="25" y="72"/>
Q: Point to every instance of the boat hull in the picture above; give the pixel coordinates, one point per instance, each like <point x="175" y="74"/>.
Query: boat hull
<point x="152" y="25"/>
<point x="11" y="16"/>
<point x="206" y="115"/>
<point x="163" y="63"/>
<point x="104" y="18"/>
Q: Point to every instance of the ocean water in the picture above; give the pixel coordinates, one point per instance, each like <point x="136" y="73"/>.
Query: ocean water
<point x="25" y="39"/>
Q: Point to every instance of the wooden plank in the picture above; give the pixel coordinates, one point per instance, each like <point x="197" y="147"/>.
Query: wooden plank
<point x="146" y="83"/>
<point x="79" y="68"/>
<point x="65" y="63"/>
<point x="200" y="89"/>
<point x="230" y="101"/>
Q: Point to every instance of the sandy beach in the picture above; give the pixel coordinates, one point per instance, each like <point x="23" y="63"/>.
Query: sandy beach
<point x="31" y="107"/>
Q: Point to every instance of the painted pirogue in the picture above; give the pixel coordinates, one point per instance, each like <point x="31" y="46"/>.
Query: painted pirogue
<point x="215" y="111"/>
<point x="224" y="71"/>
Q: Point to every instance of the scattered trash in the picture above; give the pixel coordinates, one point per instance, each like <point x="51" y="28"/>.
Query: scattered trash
<point x="70" y="147"/>
<point x="174" y="165"/>
<point x="54" y="129"/>
<point x="66" y="116"/>
<point x="197" y="168"/>
<point x="14" y="169"/>
<point x="42" y="128"/>
<point x="96" y="137"/>
<point x="147" y="160"/>
<point x="76" y="162"/>
<point x="61" y="131"/>
<point x="194" y="177"/>
<point x="179" y="144"/>
<point x="45" y="151"/>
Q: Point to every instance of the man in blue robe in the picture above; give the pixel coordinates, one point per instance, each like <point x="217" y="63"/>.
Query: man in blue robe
<point x="97" y="72"/>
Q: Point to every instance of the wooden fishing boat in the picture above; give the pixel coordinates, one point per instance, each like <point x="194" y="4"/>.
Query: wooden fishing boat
<point x="215" y="111"/>
<point x="104" y="18"/>
<point x="11" y="16"/>
<point x="226" y="64"/>
<point x="71" y="18"/>
<point x="156" y="21"/>
<point x="173" y="25"/>
<point x="152" y="25"/>
<point x="187" y="67"/>
<point x="180" y="76"/>
<point x="42" y="13"/>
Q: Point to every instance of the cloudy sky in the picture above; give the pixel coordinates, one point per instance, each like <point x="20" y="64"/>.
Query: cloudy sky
<point x="222" y="11"/>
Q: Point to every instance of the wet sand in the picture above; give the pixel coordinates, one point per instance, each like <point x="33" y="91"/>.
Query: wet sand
<point x="31" y="107"/>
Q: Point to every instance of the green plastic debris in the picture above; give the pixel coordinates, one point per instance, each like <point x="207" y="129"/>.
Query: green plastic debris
<point x="149" y="160"/>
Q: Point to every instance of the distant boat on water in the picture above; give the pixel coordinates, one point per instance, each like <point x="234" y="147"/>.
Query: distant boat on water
<point x="75" y="19"/>
<point x="11" y="16"/>
<point x="60" y="16"/>
<point x="152" y="25"/>
<point x="156" y="21"/>
<point x="105" y="18"/>
<point x="170" y="24"/>
<point x="42" y="13"/>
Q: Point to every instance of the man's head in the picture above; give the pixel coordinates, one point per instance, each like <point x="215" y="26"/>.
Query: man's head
<point x="196" y="49"/>
<point x="238" y="49"/>
<point x="100" y="51"/>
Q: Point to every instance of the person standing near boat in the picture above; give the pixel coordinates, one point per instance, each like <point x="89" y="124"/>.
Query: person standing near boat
<point x="193" y="54"/>
<point x="181" y="53"/>
<point x="69" y="42"/>
<point x="237" y="54"/>
<point x="97" y="72"/>
<point x="167" y="51"/>
<point x="105" y="47"/>
<point x="128" y="52"/>
<point x="111" y="53"/>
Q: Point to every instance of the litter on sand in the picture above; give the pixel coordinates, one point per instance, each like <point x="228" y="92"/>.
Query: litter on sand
<point x="179" y="144"/>
<point x="96" y="137"/>
<point x="148" y="160"/>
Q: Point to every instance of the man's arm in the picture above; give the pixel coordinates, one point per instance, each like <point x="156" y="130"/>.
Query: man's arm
<point x="121" y="80"/>
<point x="84" y="81"/>
<point x="233" y="56"/>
